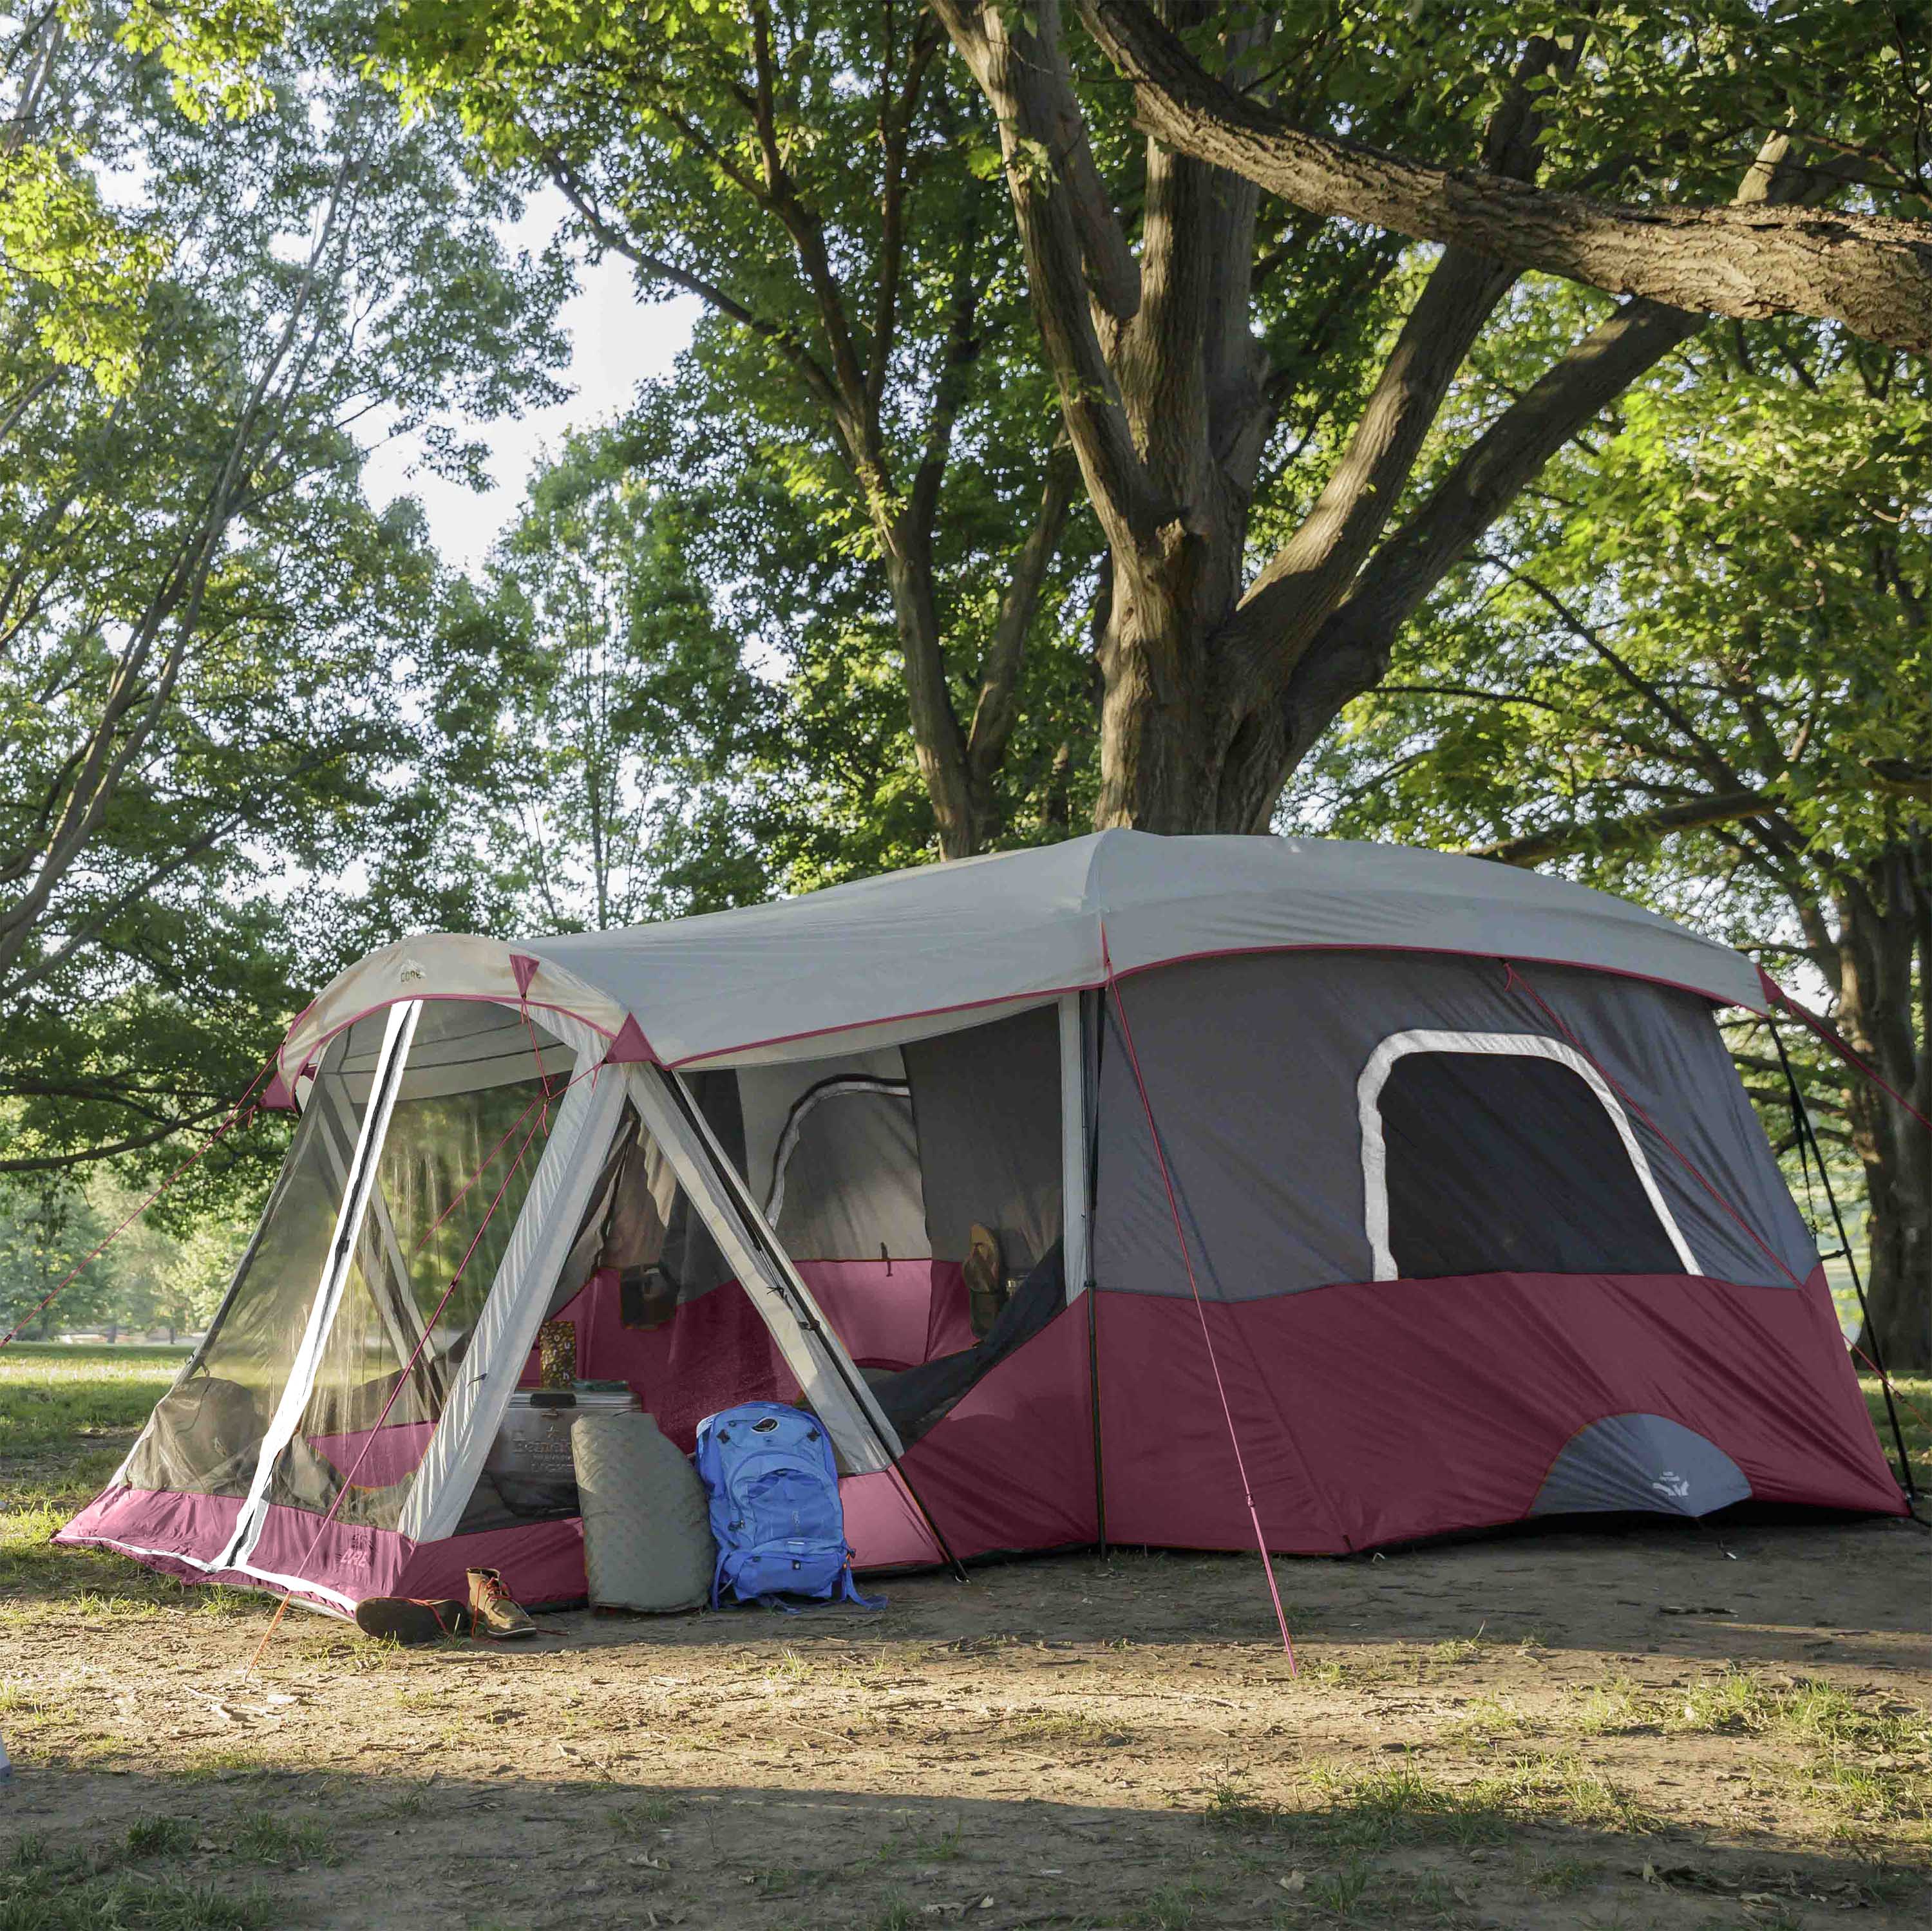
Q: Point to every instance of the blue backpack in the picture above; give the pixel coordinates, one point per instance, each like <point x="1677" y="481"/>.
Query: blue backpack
<point x="774" y="1507"/>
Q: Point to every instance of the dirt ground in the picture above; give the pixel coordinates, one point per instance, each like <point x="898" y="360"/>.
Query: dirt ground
<point x="1678" y="1727"/>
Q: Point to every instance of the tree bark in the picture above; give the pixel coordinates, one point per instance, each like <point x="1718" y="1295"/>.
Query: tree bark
<point x="1872" y="274"/>
<point x="1884" y="1012"/>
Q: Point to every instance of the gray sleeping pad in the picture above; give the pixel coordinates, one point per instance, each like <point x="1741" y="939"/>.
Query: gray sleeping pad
<point x="646" y="1524"/>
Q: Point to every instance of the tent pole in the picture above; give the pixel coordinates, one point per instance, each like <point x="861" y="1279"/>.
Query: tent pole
<point x="1808" y="1134"/>
<point x="755" y="1226"/>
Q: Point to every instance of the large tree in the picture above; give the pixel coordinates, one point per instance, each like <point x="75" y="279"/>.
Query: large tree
<point x="1259" y="576"/>
<point x="816" y="173"/>
<point x="1697" y="667"/>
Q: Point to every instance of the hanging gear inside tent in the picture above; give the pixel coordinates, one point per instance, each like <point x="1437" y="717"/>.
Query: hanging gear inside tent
<point x="760" y="1149"/>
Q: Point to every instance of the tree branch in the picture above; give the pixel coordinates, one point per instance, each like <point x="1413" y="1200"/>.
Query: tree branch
<point x="1872" y="274"/>
<point x="997" y="710"/>
<point x="1625" y="834"/>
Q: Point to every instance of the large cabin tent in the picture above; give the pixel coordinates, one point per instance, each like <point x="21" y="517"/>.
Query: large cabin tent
<point x="1438" y="1171"/>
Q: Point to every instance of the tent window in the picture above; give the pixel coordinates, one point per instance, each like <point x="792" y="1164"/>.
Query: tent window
<point x="1494" y="1153"/>
<point x="464" y="1141"/>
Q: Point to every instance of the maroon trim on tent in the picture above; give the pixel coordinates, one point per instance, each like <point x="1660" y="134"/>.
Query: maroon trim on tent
<point x="1491" y="1375"/>
<point x="629" y="1047"/>
<point x="1040" y="996"/>
<point x="523" y="968"/>
<point x="278" y="1096"/>
<point x="1436" y="951"/>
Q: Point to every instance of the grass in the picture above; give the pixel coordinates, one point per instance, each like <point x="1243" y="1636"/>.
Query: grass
<point x="265" y="1839"/>
<point x="67" y="1417"/>
<point x="1860" y="1764"/>
<point x="1400" y="1804"/>
<point x="1914" y="1403"/>
<point x="1061" y="1729"/>
<point x="41" y="1891"/>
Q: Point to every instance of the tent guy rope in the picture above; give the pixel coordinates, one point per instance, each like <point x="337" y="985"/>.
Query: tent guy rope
<point x="1194" y="1288"/>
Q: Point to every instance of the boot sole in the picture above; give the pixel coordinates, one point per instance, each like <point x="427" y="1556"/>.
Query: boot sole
<point x="396" y="1619"/>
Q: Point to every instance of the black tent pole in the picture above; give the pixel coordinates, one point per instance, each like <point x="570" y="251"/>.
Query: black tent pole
<point x="1800" y="1115"/>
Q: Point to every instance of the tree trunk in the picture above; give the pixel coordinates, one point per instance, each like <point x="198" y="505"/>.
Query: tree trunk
<point x="1885" y="944"/>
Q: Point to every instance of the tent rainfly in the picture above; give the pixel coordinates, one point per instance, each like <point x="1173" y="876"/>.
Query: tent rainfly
<point x="1437" y="1170"/>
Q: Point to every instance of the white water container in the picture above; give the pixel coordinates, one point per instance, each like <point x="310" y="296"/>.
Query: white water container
<point x="646" y="1518"/>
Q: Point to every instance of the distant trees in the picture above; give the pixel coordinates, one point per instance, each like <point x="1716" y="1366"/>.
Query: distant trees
<point x="825" y="180"/>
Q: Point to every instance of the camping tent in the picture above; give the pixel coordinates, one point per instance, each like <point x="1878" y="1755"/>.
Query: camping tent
<point x="1425" y="1183"/>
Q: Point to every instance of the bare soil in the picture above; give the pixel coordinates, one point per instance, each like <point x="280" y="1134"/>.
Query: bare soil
<point x="1675" y="1727"/>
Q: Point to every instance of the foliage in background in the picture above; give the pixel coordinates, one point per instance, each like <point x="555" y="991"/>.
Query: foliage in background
<point x="826" y="180"/>
<point x="206" y="628"/>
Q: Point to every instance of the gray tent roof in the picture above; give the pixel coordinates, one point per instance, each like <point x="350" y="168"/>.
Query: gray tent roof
<point x="899" y="950"/>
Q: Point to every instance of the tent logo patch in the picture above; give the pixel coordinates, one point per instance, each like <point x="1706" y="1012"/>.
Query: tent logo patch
<point x="1673" y="1485"/>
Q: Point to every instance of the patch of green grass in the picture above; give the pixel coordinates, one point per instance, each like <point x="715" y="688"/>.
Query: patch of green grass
<point x="217" y="1766"/>
<point x="897" y="1915"/>
<point x="265" y="1839"/>
<point x="67" y="1416"/>
<point x="64" y="1896"/>
<point x="1380" y="1809"/>
<point x="1914" y="1393"/>
<point x="160" y="1837"/>
<point x="1484" y="1718"/>
<point x="1341" y="1892"/>
<point x="1559" y="1877"/>
<point x="1172" y="1908"/>
<point x="1862" y="1764"/>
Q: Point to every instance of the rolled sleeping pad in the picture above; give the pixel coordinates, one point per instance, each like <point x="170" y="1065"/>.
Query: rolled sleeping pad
<point x="647" y="1527"/>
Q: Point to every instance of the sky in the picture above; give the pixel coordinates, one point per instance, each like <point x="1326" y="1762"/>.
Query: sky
<point x="616" y="341"/>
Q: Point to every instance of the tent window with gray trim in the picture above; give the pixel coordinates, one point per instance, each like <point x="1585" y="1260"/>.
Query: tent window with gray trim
<point x="1504" y="1152"/>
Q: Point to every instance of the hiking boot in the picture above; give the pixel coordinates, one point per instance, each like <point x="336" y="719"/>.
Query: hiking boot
<point x="413" y="1619"/>
<point x="985" y="1278"/>
<point x="497" y="1613"/>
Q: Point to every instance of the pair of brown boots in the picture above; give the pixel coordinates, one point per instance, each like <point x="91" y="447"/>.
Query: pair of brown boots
<point x="491" y="1610"/>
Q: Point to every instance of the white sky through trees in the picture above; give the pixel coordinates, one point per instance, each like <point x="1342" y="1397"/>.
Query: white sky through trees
<point x="615" y="341"/>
